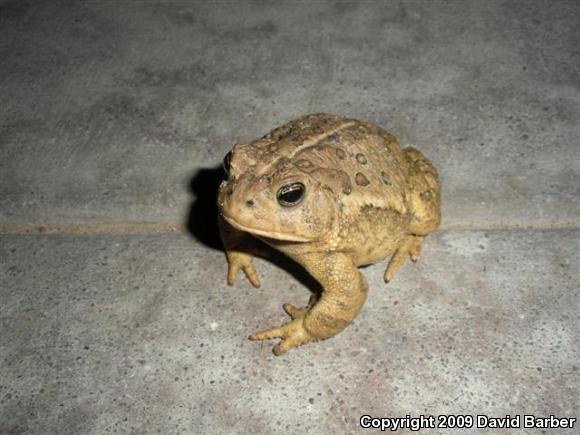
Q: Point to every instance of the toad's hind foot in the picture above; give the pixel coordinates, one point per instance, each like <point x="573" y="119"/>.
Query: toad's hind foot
<point x="295" y="312"/>
<point x="415" y="249"/>
<point x="411" y="246"/>
<point x="293" y="334"/>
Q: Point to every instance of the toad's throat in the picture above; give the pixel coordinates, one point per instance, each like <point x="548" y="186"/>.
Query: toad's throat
<point x="268" y="234"/>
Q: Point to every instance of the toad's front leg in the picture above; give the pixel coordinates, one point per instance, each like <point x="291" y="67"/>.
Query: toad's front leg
<point x="344" y="293"/>
<point x="239" y="248"/>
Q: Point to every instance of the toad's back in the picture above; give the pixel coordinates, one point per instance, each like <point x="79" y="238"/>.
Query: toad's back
<point x="371" y="158"/>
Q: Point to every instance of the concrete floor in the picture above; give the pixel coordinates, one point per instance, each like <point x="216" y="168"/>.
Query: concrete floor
<point x="114" y="117"/>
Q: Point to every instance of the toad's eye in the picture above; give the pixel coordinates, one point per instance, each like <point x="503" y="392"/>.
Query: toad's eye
<point x="226" y="163"/>
<point x="291" y="194"/>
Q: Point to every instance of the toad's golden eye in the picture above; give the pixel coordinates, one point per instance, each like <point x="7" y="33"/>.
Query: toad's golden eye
<point x="226" y="163"/>
<point x="291" y="194"/>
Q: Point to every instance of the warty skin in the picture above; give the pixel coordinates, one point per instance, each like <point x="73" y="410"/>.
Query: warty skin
<point x="332" y="194"/>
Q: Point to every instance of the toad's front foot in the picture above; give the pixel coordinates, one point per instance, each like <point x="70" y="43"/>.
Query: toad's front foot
<point x="293" y="334"/>
<point x="243" y="261"/>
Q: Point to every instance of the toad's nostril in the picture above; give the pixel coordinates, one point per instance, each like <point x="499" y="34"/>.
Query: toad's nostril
<point x="250" y="202"/>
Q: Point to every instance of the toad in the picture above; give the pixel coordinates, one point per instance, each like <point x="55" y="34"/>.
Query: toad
<point x="332" y="194"/>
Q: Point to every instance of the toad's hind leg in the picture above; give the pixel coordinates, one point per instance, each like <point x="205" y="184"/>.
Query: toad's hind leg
<point x="425" y="206"/>
<point x="344" y="293"/>
<point x="411" y="246"/>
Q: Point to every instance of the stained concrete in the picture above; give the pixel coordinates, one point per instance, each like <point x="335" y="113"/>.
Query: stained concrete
<point x="142" y="335"/>
<point x="114" y="117"/>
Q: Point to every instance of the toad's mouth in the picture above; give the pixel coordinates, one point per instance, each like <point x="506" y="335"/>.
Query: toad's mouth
<point x="275" y="235"/>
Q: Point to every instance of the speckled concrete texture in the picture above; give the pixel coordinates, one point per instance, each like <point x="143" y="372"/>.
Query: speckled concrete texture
<point x="108" y="108"/>
<point x="114" y="118"/>
<point x="141" y="335"/>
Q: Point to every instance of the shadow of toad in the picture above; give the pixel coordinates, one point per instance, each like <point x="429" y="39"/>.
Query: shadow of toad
<point x="202" y="224"/>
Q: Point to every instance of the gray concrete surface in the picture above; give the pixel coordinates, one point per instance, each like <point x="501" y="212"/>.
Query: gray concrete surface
<point x="113" y="119"/>
<point x="108" y="108"/>
<point x="126" y="334"/>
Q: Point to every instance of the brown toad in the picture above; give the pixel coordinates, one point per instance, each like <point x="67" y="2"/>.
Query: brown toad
<point x="332" y="194"/>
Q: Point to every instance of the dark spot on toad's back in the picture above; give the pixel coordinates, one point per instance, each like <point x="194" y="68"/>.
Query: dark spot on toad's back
<point x="386" y="179"/>
<point x="361" y="179"/>
<point x="360" y="157"/>
<point x="340" y="153"/>
<point x="333" y="137"/>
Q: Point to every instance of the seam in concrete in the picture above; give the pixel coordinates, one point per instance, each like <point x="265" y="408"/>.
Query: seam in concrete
<point x="144" y="228"/>
<point x="538" y="224"/>
<point x="93" y="228"/>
